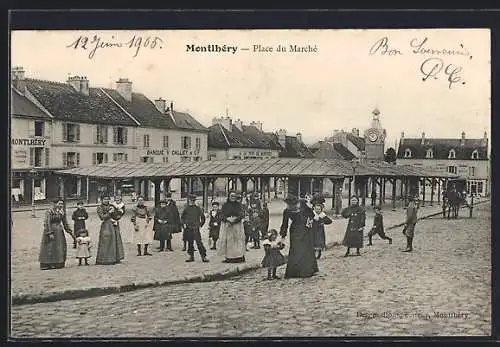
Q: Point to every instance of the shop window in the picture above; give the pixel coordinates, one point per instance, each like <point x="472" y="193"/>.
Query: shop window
<point x="71" y="132"/>
<point x="120" y="136"/>
<point x="197" y="158"/>
<point x="39" y="128"/>
<point x="185" y="159"/>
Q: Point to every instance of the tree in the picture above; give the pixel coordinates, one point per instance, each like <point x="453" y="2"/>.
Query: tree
<point x="390" y="155"/>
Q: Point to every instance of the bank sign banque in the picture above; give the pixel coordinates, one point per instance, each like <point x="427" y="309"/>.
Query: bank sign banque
<point x="183" y="152"/>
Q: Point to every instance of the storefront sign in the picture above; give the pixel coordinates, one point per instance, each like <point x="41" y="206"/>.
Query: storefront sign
<point x="29" y="142"/>
<point x="20" y="157"/>
<point x="183" y="152"/>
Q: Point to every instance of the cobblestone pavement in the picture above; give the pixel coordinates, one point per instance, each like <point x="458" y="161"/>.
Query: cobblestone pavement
<point x="29" y="280"/>
<point x="442" y="288"/>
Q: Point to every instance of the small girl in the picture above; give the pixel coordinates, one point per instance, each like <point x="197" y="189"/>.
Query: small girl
<point x="273" y="258"/>
<point x="83" y="247"/>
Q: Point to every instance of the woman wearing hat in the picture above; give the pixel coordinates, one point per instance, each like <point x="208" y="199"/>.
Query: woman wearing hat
<point x="167" y="221"/>
<point x="232" y="236"/>
<point x="53" y="248"/>
<point x="353" y="237"/>
<point x="301" y="257"/>
<point x="143" y="231"/>
<point x="320" y="219"/>
<point x="110" y="248"/>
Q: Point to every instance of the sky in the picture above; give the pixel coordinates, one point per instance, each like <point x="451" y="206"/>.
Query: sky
<point x="336" y="85"/>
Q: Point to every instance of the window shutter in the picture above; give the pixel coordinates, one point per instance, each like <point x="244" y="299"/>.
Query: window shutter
<point x="105" y="134"/>
<point x="32" y="157"/>
<point x="31" y="130"/>
<point x="125" y="156"/>
<point x="96" y="134"/>
<point x="125" y="136"/>
<point x="115" y="156"/>
<point x="115" y="135"/>
<point x="189" y="142"/>
<point x="77" y="159"/>
<point x="65" y="131"/>
<point x="105" y="157"/>
<point x="47" y="157"/>
<point x="94" y="158"/>
<point x="77" y="132"/>
<point x="65" y="159"/>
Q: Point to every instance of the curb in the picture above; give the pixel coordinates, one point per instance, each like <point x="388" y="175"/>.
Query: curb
<point x="18" y="300"/>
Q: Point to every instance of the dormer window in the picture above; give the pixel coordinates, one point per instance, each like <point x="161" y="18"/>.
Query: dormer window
<point x="475" y="154"/>
<point x="429" y="154"/>
<point x="451" y="154"/>
<point x="408" y="153"/>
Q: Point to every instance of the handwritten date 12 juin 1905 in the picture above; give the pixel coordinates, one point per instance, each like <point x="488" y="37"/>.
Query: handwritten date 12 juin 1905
<point x="135" y="43"/>
<point x="431" y="67"/>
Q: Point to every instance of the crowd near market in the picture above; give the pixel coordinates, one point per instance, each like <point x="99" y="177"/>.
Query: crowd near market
<point x="241" y="224"/>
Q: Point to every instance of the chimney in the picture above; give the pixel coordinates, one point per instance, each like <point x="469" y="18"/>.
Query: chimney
<point x="17" y="78"/>
<point x="484" y="141"/>
<point x="299" y="137"/>
<point x="282" y="137"/>
<point x="124" y="87"/>
<point x="80" y="84"/>
<point x="355" y="132"/>
<point x="161" y="105"/>
<point x="462" y="140"/>
<point x="423" y="139"/>
<point x="402" y="137"/>
<point x="238" y="124"/>
<point x="226" y="122"/>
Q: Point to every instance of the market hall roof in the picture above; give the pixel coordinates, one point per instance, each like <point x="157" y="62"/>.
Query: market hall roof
<point x="66" y="104"/>
<point x="275" y="167"/>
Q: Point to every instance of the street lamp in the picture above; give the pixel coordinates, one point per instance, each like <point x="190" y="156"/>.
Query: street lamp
<point x="354" y="164"/>
<point x="33" y="173"/>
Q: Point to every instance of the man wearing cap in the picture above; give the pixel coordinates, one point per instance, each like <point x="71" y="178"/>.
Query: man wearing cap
<point x="411" y="221"/>
<point x="214" y="224"/>
<point x="353" y="237"/>
<point x="166" y="222"/>
<point x="192" y="220"/>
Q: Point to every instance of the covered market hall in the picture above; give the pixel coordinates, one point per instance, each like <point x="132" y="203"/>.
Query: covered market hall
<point x="294" y="176"/>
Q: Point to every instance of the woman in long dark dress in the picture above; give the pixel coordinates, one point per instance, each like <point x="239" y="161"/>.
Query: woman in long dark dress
<point x="53" y="247"/>
<point x="301" y="256"/>
<point x="167" y="221"/>
<point x="232" y="236"/>
<point x="110" y="249"/>
<point x="353" y="237"/>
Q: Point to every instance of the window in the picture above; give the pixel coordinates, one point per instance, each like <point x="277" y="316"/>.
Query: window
<point x="36" y="157"/>
<point x="99" y="158"/>
<point x="120" y="157"/>
<point x="480" y="188"/>
<point x="71" y="159"/>
<point x="197" y="158"/>
<point x="39" y="128"/>
<point x="186" y="142"/>
<point x="452" y="154"/>
<point x="71" y="132"/>
<point x="197" y="144"/>
<point x="146" y="141"/>
<point x="212" y="157"/>
<point x="429" y="154"/>
<point x="165" y="141"/>
<point x="452" y="169"/>
<point x="475" y="154"/>
<point x="165" y="159"/>
<point x="185" y="159"/>
<point x="101" y="134"/>
<point x="472" y="171"/>
<point x="408" y="153"/>
<point x="147" y="159"/>
<point x="120" y="135"/>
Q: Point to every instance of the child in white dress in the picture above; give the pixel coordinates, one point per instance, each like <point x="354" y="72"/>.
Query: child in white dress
<point x="83" y="245"/>
<point x="273" y="258"/>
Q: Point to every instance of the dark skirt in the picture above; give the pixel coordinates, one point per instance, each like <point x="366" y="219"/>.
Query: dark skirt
<point x="164" y="231"/>
<point x="353" y="238"/>
<point x="319" y="238"/>
<point x="53" y="252"/>
<point x="301" y="257"/>
<point x="110" y="249"/>
<point x="409" y="230"/>
<point x="214" y="232"/>
<point x="273" y="258"/>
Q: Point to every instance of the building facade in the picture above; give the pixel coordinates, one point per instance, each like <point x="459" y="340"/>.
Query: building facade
<point x="467" y="158"/>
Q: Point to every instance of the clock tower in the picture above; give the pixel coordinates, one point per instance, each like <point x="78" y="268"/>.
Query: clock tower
<point x="375" y="139"/>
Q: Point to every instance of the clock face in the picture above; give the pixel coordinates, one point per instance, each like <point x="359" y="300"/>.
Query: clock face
<point x="373" y="137"/>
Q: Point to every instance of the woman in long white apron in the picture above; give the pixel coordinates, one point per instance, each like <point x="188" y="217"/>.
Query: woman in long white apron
<point x="143" y="229"/>
<point x="232" y="236"/>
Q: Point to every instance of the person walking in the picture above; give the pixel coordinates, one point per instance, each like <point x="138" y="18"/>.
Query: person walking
<point x="378" y="227"/>
<point x="110" y="247"/>
<point x="192" y="220"/>
<point x="53" y="247"/>
<point x="232" y="237"/>
<point x="353" y="237"/>
<point x="301" y="256"/>
<point x="143" y="231"/>
<point x="409" y="227"/>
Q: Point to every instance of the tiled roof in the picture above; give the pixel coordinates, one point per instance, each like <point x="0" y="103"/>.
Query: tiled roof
<point x="442" y="147"/>
<point x="21" y="106"/>
<point x="143" y="110"/>
<point x="357" y="141"/>
<point x="326" y="150"/>
<point x="256" y="136"/>
<point x="343" y="151"/>
<point x="220" y="137"/>
<point x="186" y="121"/>
<point x="66" y="104"/>
<point x="251" y="167"/>
<point x="295" y="149"/>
